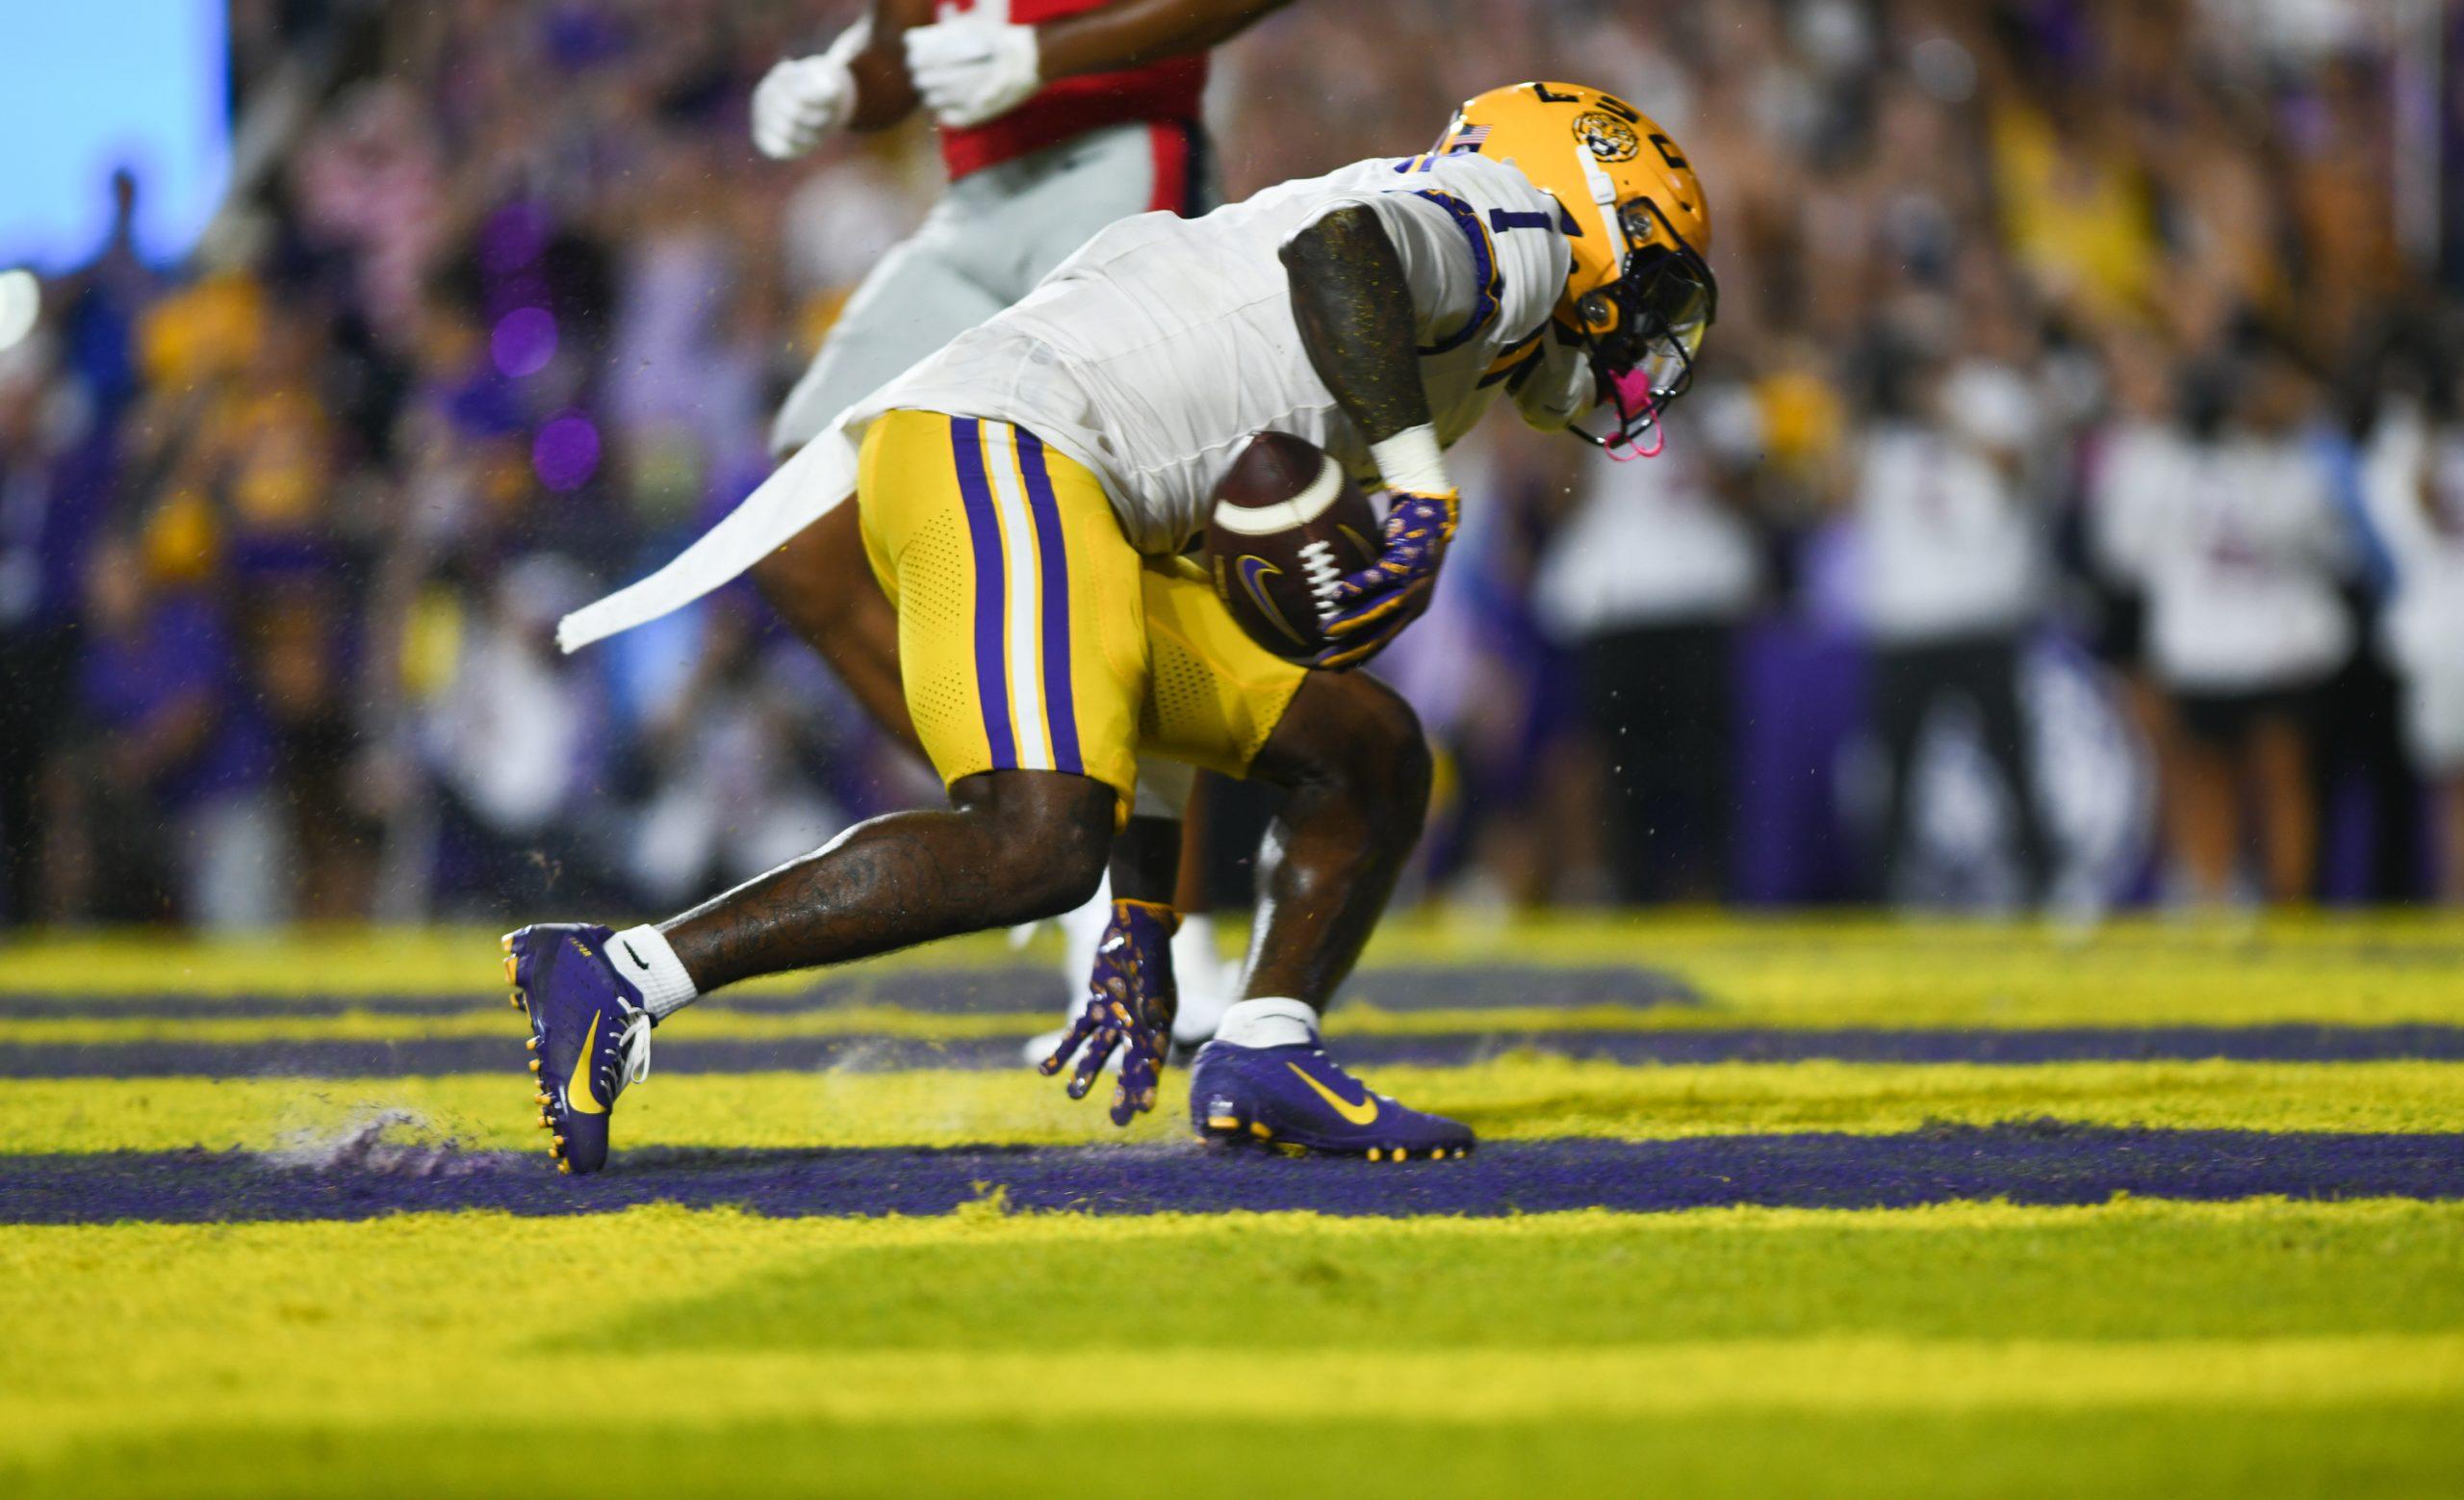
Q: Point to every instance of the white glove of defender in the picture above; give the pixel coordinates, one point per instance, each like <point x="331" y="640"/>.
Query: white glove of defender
<point x="975" y="65"/>
<point x="799" y="101"/>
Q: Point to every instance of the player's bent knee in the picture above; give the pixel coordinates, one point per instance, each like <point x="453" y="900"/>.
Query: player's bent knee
<point x="1372" y="737"/>
<point x="1066" y="872"/>
<point x="1351" y="736"/>
<point x="1394" y="751"/>
<point x="1048" y="836"/>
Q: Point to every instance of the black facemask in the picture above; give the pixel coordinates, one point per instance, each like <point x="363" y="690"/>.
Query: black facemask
<point x="1659" y="309"/>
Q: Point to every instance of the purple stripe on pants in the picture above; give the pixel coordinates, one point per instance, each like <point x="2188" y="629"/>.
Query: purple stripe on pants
<point x="1052" y="562"/>
<point x="984" y="530"/>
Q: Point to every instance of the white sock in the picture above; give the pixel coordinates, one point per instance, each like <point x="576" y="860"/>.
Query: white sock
<point x="1267" y="1022"/>
<point x="641" y="954"/>
<point x="1207" y="983"/>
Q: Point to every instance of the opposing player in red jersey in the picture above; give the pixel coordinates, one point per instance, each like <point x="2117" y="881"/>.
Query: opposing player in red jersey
<point x="1057" y="117"/>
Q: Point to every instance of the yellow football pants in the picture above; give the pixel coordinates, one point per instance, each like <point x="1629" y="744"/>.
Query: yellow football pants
<point x="1031" y="635"/>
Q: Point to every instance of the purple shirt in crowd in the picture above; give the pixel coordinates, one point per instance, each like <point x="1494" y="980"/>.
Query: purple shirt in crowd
<point x="182" y="649"/>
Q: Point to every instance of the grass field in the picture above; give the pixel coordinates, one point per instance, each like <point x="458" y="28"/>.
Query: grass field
<point x="1768" y="1208"/>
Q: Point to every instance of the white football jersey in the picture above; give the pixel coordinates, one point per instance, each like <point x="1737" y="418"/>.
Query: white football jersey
<point x="1158" y="348"/>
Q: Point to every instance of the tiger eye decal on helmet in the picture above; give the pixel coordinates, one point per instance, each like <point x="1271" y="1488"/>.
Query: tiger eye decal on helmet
<point x="1611" y="138"/>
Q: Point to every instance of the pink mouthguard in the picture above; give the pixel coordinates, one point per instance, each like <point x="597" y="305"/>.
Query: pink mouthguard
<point x="1633" y="392"/>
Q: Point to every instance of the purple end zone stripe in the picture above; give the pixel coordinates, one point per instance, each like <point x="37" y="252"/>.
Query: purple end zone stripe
<point x="1052" y="563"/>
<point x="983" y="531"/>
<point x="1674" y="1046"/>
<point x="2026" y="1164"/>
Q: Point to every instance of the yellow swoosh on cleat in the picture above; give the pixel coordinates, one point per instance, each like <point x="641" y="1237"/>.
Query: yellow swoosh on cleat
<point x="578" y="1095"/>
<point x="1359" y="1114"/>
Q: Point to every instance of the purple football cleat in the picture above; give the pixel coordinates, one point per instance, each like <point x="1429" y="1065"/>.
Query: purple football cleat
<point x="1295" y="1098"/>
<point x="589" y="1034"/>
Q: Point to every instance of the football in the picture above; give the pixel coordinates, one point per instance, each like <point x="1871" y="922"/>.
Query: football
<point x="1286" y="523"/>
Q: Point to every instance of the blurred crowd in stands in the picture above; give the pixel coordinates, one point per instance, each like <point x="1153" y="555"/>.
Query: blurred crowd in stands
<point x="2071" y="511"/>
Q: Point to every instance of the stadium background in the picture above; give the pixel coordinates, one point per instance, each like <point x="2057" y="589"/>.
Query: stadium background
<point x="1803" y="1203"/>
<point x="504" y="301"/>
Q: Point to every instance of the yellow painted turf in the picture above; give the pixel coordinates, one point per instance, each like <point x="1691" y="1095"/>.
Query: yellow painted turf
<point x="2133" y="1347"/>
<point x="1796" y="972"/>
<point x="490" y="1017"/>
<point x="718" y="1319"/>
<point x="1517" y="1096"/>
<point x="1234" y="1385"/>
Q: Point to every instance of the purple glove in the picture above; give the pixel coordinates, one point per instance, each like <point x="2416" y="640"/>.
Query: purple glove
<point x="1373" y="606"/>
<point x="1130" y="999"/>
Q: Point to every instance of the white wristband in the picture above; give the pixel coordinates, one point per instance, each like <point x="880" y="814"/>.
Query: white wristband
<point x="1411" y="463"/>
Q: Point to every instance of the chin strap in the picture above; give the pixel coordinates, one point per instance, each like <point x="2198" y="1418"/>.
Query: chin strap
<point x="1627" y="451"/>
<point x="1603" y="200"/>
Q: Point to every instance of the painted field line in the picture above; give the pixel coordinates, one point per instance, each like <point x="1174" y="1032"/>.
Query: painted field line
<point x="2036" y="1165"/>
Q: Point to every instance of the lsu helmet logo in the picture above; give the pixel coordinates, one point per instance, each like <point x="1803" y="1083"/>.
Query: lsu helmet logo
<point x="1609" y="138"/>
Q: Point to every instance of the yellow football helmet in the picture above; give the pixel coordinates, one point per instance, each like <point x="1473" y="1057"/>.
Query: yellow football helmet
<point x="1639" y="294"/>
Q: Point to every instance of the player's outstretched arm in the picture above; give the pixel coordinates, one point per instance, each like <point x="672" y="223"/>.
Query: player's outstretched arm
<point x="1354" y="307"/>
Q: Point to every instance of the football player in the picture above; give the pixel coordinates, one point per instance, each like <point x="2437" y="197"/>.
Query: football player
<point x="1024" y="496"/>
<point x="1056" y="117"/>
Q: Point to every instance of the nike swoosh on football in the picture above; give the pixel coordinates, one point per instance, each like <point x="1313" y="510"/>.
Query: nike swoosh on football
<point x="1252" y="570"/>
<point x="1359" y="1114"/>
<point x="578" y="1095"/>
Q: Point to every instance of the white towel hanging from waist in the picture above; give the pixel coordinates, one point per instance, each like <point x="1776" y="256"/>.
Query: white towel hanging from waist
<point x="801" y="491"/>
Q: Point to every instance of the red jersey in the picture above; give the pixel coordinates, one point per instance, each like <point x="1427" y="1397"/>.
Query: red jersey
<point x="1071" y="106"/>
